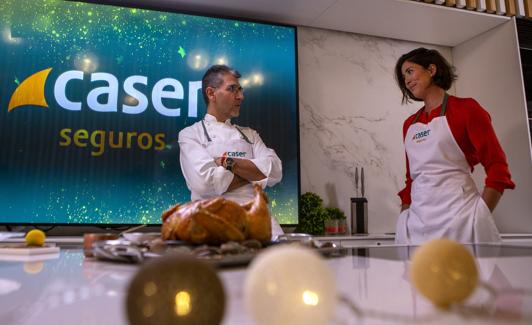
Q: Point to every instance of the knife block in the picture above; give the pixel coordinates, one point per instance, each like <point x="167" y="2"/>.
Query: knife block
<point x="359" y="215"/>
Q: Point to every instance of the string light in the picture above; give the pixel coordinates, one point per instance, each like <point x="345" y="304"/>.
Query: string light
<point x="444" y="272"/>
<point x="290" y="285"/>
<point x="175" y="290"/>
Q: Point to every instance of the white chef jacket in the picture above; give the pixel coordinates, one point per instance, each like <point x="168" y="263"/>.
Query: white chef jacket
<point x="202" y="142"/>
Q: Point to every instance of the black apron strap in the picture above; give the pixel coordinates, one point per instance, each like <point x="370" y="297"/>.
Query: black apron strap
<point x="205" y="131"/>
<point x="209" y="138"/>
<point x="444" y="104"/>
<point x="443" y="109"/>
<point x="243" y="135"/>
<point x="417" y="116"/>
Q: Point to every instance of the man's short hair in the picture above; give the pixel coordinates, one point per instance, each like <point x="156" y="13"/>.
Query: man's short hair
<point x="213" y="77"/>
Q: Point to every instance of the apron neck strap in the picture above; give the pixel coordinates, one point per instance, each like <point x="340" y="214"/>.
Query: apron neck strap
<point x="209" y="138"/>
<point x="243" y="135"/>
<point x="444" y="104"/>
<point x="443" y="108"/>
<point x="205" y="131"/>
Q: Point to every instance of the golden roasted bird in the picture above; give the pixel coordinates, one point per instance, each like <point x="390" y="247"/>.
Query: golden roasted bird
<point x="215" y="221"/>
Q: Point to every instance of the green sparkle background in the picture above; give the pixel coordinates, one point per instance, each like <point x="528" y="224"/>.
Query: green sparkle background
<point x="42" y="182"/>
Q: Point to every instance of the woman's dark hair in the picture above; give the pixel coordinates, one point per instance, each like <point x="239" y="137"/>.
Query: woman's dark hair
<point x="444" y="76"/>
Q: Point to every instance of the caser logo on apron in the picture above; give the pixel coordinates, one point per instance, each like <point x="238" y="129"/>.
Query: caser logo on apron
<point x="421" y="136"/>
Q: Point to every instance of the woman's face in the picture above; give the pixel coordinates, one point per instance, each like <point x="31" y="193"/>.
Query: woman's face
<point x="417" y="78"/>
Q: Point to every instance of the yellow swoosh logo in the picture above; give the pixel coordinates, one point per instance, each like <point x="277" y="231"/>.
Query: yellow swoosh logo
<point x="30" y="91"/>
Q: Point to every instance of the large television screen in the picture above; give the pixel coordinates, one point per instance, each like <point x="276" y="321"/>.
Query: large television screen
<point x="93" y="96"/>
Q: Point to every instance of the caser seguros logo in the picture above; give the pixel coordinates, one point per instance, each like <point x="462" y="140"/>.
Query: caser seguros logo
<point x="30" y="92"/>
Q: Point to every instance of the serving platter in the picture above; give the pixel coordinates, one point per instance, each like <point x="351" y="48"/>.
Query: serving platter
<point x="230" y="254"/>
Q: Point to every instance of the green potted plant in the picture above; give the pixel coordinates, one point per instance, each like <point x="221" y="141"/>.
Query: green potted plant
<point x="312" y="214"/>
<point x="340" y="218"/>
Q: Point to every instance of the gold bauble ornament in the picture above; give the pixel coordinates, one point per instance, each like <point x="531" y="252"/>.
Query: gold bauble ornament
<point x="444" y="272"/>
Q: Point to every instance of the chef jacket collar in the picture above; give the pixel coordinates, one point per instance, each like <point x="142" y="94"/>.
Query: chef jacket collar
<point x="212" y="118"/>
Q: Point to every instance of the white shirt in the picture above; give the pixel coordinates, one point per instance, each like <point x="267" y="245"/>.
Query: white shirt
<point x="204" y="178"/>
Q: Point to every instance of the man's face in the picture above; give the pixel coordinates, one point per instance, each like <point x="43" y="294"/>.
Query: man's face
<point x="227" y="98"/>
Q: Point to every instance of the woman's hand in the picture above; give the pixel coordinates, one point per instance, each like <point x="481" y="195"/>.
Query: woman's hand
<point x="491" y="196"/>
<point x="404" y="207"/>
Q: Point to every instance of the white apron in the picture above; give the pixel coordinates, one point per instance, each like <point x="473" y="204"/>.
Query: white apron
<point x="242" y="145"/>
<point x="445" y="199"/>
<point x="244" y="148"/>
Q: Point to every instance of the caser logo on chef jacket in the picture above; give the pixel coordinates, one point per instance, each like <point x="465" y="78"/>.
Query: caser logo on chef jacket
<point x="421" y="136"/>
<point x="234" y="154"/>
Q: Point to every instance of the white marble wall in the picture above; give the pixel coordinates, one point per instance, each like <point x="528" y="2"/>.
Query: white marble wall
<point x="499" y="89"/>
<point x="351" y="115"/>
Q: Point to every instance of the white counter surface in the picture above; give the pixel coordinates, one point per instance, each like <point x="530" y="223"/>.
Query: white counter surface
<point x="70" y="289"/>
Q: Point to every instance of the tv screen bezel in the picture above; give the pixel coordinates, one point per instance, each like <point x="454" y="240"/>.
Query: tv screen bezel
<point x="157" y="6"/>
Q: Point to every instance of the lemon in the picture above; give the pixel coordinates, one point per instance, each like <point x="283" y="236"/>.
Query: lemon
<point x="444" y="272"/>
<point x="35" y="237"/>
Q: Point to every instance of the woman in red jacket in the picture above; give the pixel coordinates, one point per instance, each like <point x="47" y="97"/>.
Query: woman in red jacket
<point x="444" y="140"/>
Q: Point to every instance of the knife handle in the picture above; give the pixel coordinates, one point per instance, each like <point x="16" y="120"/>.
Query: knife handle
<point x="362" y="181"/>
<point x="356" y="181"/>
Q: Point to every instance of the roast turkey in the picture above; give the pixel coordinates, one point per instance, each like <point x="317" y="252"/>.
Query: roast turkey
<point x="216" y="221"/>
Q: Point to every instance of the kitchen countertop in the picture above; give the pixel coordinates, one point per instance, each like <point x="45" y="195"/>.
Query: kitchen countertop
<point x="68" y="288"/>
<point x="78" y="240"/>
<point x="390" y="236"/>
<point x="388" y="239"/>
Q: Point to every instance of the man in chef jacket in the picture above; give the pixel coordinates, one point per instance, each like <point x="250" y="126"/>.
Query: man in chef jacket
<point x="219" y="158"/>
